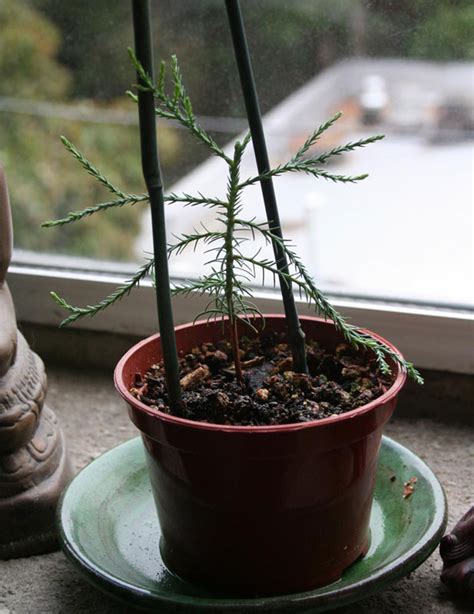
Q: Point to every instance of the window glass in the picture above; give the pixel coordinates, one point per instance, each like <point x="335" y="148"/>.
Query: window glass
<point x="402" y="68"/>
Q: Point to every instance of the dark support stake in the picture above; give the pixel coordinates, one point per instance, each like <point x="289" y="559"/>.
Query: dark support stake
<point x="152" y="175"/>
<point x="295" y="332"/>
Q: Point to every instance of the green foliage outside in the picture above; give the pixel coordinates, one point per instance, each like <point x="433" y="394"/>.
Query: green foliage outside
<point x="43" y="181"/>
<point x="454" y="41"/>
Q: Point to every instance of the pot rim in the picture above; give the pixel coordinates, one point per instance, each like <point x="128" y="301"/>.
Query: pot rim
<point x="209" y="426"/>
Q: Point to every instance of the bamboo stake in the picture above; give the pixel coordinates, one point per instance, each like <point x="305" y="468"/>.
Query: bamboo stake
<point x="295" y="333"/>
<point x="153" y="180"/>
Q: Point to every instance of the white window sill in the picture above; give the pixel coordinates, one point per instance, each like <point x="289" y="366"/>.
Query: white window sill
<point x="432" y="338"/>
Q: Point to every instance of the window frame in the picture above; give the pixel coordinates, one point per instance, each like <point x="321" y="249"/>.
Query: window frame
<point x="432" y="337"/>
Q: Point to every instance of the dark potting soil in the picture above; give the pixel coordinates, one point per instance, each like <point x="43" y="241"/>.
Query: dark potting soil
<point x="272" y="393"/>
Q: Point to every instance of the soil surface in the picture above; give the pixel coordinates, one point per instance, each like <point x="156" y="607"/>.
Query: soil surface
<point x="271" y="392"/>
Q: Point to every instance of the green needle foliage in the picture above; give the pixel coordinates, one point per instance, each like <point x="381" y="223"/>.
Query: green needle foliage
<point x="228" y="284"/>
<point x="123" y="290"/>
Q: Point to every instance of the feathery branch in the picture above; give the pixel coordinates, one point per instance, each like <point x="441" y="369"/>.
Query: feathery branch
<point x="178" y="106"/>
<point x="118" y="294"/>
<point x="90" y="168"/>
<point x="75" y="216"/>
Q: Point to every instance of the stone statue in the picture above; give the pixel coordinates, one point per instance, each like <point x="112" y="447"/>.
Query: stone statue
<point x="34" y="467"/>
<point x="8" y="334"/>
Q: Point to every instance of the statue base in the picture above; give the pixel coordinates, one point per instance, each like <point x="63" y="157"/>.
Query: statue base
<point x="34" y="467"/>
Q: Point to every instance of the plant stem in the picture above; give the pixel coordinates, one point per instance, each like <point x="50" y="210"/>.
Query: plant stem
<point x="153" y="180"/>
<point x="232" y="199"/>
<point x="234" y="339"/>
<point x="295" y="333"/>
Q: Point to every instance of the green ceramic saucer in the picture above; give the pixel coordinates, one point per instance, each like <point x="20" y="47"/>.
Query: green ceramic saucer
<point x="109" y="529"/>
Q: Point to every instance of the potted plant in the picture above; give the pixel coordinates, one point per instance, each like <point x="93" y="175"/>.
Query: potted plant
<point x="261" y="432"/>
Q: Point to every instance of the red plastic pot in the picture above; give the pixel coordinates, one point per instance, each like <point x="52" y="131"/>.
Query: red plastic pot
<point x="259" y="510"/>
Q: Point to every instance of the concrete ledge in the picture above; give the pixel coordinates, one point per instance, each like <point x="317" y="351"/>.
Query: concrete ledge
<point x="94" y="419"/>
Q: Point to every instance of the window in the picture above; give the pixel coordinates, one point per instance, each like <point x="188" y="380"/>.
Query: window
<point x="399" y="68"/>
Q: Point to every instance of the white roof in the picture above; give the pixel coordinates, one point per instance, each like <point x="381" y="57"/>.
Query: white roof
<point x="406" y="231"/>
